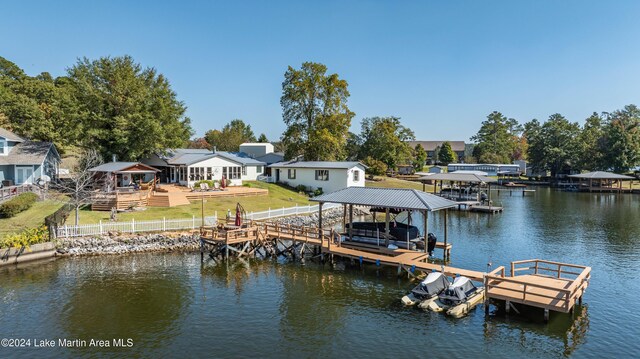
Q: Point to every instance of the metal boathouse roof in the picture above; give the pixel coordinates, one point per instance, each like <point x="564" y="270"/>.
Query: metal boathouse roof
<point x="403" y="198"/>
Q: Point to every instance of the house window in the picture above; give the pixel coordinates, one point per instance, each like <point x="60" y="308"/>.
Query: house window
<point x="209" y="171"/>
<point x="234" y="172"/>
<point x="291" y="173"/>
<point x="244" y="170"/>
<point x="224" y="172"/>
<point x="356" y="176"/>
<point x="259" y="169"/>
<point x="322" y="175"/>
<point x="3" y="145"/>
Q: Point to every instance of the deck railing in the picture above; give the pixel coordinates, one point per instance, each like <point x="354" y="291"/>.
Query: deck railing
<point x="12" y="191"/>
<point x="577" y="275"/>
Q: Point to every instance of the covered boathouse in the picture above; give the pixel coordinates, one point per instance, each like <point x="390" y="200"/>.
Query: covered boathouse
<point x="389" y="201"/>
<point x="601" y="181"/>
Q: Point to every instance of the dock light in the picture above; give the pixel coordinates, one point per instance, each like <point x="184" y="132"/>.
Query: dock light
<point x="378" y="262"/>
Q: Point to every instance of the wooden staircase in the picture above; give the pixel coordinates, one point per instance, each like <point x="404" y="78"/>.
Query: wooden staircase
<point x="167" y="199"/>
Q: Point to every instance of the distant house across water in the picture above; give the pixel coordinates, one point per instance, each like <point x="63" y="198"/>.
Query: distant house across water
<point x="432" y="146"/>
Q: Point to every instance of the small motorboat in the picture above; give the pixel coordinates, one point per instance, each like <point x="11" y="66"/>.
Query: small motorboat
<point x="427" y="290"/>
<point x="459" y="298"/>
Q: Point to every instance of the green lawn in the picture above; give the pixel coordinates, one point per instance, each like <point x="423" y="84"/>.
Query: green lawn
<point x="278" y="197"/>
<point x="30" y="218"/>
<point x="389" y="182"/>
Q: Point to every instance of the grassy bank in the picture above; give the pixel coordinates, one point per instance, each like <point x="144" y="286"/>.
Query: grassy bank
<point x="30" y="218"/>
<point x="389" y="182"/>
<point x="278" y="197"/>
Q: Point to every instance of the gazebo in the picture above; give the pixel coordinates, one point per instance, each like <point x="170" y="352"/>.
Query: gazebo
<point x="387" y="199"/>
<point x="600" y="181"/>
<point x="453" y="177"/>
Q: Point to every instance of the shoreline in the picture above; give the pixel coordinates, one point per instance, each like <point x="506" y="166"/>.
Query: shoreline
<point x="116" y="243"/>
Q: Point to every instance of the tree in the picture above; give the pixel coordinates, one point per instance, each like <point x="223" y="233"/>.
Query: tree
<point x="79" y="186"/>
<point x="263" y="138"/>
<point x="496" y="141"/>
<point x="314" y="108"/>
<point x="420" y="156"/>
<point x="592" y="144"/>
<point x="127" y="110"/>
<point x="199" y="143"/>
<point x="623" y="139"/>
<point x="446" y="154"/>
<point x="384" y="139"/>
<point x="39" y="108"/>
<point x="375" y="167"/>
<point x="352" y="147"/>
<point x="233" y="134"/>
<point x="554" y="145"/>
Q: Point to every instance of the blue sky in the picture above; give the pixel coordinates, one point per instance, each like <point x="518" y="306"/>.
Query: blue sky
<point x="441" y="66"/>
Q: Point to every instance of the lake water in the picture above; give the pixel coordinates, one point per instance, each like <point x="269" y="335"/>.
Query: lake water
<point x="172" y="306"/>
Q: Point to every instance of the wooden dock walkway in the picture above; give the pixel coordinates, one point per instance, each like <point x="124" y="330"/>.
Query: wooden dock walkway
<point x="552" y="286"/>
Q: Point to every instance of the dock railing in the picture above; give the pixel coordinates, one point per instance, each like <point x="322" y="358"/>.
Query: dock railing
<point x="577" y="275"/>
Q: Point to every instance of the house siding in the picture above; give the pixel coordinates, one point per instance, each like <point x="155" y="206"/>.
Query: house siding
<point x="339" y="178"/>
<point x="6" y="173"/>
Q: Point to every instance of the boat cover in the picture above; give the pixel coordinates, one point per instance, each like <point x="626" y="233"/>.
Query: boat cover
<point x="431" y="286"/>
<point x="396" y="229"/>
<point x="458" y="292"/>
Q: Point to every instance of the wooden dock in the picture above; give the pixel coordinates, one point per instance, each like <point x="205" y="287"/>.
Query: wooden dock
<point x="549" y="285"/>
<point x="552" y="286"/>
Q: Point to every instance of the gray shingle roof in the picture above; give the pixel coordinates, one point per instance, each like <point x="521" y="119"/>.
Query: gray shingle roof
<point x="27" y="153"/>
<point x="10" y="135"/>
<point x="601" y="175"/>
<point x="318" y="164"/>
<point x="403" y="198"/>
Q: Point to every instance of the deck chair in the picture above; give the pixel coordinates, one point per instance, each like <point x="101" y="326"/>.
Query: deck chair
<point x="204" y="187"/>
<point x="216" y="186"/>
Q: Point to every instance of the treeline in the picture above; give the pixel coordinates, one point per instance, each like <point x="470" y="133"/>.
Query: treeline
<point x="606" y="141"/>
<point x="111" y="104"/>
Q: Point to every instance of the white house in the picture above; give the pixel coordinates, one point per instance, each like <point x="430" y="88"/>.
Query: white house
<point x="25" y="162"/>
<point x="256" y="149"/>
<point x="187" y="166"/>
<point x="330" y="176"/>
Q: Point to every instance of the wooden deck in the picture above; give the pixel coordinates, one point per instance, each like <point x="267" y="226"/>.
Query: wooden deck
<point x="549" y="285"/>
<point x="552" y="286"/>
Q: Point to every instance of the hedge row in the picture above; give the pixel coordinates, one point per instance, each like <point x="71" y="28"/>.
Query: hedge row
<point x="18" y="204"/>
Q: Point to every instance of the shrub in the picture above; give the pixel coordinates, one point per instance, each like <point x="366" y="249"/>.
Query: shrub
<point x="317" y="192"/>
<point x="18" y="204"/>
<point x="208" y="182"/>
<point x="25" y="238"/>
<point x="301" y="188"/>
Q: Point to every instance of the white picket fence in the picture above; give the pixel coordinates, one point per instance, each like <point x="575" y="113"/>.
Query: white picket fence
<point x="163" y="225"/>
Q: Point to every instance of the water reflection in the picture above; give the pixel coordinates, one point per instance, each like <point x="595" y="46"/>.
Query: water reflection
<point x="563" y="334"/>
<point x="136" y="297"/>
